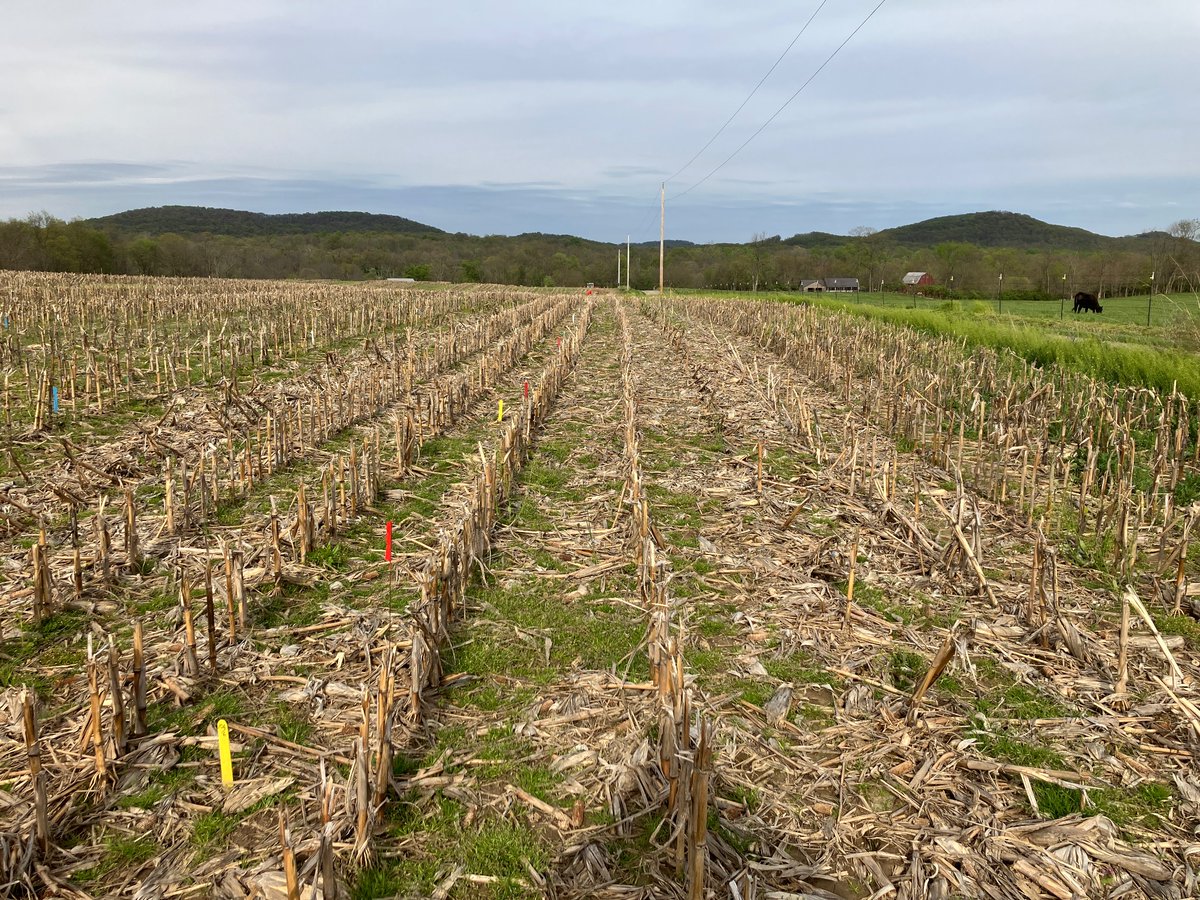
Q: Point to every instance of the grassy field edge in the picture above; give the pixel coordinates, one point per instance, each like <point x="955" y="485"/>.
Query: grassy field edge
<point x="1116" y="363"/>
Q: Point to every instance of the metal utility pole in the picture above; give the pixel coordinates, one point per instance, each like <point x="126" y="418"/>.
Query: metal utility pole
<point x="618" y="268"/>
<point x="662" y="233"/>
<point x="628" y="261"/>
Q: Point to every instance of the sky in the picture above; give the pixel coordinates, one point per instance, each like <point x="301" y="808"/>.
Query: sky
<point x="561" y="117"/>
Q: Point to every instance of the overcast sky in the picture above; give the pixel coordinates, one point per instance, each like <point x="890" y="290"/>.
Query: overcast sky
<point x="535" y="115"/>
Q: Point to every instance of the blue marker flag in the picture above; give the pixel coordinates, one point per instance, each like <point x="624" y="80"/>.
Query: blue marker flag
<point x="54" y="399"/>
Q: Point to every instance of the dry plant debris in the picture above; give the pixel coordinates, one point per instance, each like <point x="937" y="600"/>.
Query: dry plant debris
<point x="731" y="599"/>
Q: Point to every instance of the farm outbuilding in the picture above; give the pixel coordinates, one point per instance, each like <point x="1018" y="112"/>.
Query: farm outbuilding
<point x="917" y="279"/>
<point x="841" y="285"/>
<point x="811" y="285"/>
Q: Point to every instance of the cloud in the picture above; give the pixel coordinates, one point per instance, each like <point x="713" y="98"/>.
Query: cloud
<point x="537" y="108"/>
<point x="60" y="176"/>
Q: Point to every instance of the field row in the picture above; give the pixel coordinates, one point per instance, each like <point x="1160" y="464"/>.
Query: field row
<point x="179" y="479"/>
<point x="727" y="600"/>
<point x="172" y="671"/>
<point x="834" y="714"/>
<point x="78" y="352"/>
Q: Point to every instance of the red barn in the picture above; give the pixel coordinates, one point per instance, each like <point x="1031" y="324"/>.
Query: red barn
<point x="917" y="279"/>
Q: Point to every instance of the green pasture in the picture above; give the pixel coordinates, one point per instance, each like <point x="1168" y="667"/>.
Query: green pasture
<point x="1174" y="319"/>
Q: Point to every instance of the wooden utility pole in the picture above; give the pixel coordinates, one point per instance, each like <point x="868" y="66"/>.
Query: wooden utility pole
<point x="618" y="267"/>
<point x="1150" y="299"/>
<point x="628" y="260"/>
<point x="662" y="232"/>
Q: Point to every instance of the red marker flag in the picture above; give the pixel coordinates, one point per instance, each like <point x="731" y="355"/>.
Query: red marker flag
<point x="526" y="389"/>
<point x="387" y="547"/>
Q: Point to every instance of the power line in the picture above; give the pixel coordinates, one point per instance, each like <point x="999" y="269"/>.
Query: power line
<point x="775" y="65"/>
<point x="644" y="225"/>
<point x="786" y="103"/>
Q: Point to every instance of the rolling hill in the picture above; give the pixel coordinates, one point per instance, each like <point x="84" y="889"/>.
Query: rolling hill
<point x="157" y="220"/>
<point x="200" y="241"/>
<point x="1007" y="229"/>
<point x="817" y="240"/>
<point x="983" y="229"/>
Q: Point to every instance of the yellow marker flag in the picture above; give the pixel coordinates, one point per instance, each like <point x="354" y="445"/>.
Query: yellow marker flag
<point x="223" y="750"/>
<point x="500" y="411"/>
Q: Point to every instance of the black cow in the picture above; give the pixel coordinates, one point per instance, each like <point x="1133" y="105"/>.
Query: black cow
<point x="1087" y="302"/>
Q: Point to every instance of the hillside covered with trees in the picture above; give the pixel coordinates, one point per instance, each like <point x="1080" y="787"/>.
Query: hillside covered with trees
<point x="974" y="249"/>
<point x="156" y="220"/>
<point x="1007" y="229"/>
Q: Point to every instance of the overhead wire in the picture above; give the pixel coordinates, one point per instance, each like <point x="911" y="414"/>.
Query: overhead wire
<point x="785" y="105"/>
<point x="640" y="231"/>
<point x="750" y="96"/>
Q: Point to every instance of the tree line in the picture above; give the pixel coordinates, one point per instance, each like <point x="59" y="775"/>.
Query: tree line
<point x="43" y="242"/>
